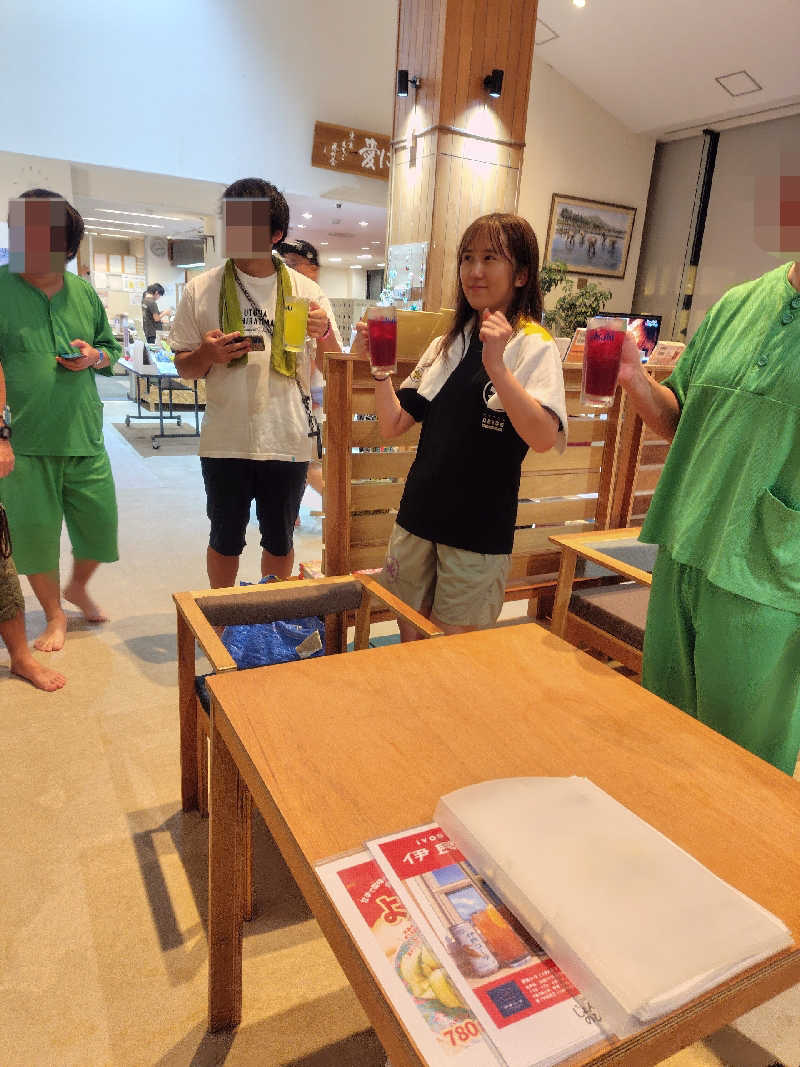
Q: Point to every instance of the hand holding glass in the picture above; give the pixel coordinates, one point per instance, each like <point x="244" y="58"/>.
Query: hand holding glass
<point x="602" y="351"/>
<point x="295" y="321"/>
<point x="382" y="333"/>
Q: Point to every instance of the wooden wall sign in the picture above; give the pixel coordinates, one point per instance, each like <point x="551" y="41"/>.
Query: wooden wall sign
<point x="352" y="151"/>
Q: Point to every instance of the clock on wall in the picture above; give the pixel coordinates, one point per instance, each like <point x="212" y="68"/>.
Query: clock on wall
<point x="158" y="246"/>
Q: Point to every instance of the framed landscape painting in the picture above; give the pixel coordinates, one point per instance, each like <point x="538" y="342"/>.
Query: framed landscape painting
<point x="589" y="236"/>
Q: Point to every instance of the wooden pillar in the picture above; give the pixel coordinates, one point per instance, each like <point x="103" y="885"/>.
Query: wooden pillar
<point x="457" y="151"/>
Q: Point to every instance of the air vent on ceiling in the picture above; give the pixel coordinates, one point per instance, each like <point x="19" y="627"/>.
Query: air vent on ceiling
<point x="740" y="83"/>
<point x="340" y="233"/>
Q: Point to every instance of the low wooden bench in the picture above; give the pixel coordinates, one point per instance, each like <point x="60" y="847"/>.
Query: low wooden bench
<point x="364" y="476"/>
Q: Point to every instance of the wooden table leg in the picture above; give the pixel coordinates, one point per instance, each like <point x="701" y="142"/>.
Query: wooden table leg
<point x="566" y="576"/>
<point x="187" y="710"/>
<point x="226" y="875"/>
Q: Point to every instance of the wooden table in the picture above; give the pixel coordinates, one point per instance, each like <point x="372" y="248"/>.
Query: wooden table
<point x="592" y="546"/>
<point x="345" y="748"/>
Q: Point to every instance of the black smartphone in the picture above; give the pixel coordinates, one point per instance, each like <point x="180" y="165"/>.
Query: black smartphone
<point x="256" y="342"/>
<point x="74" y="354"/>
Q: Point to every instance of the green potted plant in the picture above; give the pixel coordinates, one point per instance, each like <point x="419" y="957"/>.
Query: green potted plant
<point x="574" y="307"/>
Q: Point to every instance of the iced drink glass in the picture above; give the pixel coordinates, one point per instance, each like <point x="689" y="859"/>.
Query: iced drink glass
<point x="601" y="356"/>
<point x="382" y="332"/>
<point x="295" y="321"/>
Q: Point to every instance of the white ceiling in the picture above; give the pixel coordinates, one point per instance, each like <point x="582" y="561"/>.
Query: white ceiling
<point x="653" y="64"/>
<point x="143" y="220"/>
<point x="337" y="232"/>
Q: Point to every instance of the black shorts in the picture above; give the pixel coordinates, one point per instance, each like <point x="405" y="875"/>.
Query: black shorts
<point x="232" y="485"/>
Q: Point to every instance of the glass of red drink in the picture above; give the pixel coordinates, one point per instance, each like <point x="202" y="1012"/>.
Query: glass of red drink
<point x="602" y="350"/>
<point x="382" y="333"/>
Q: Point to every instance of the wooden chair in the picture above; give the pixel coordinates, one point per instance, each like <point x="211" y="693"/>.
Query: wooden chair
<point x="364" y="477"/>
<point x="611" y="621"/>
<point x="199" y="612"/>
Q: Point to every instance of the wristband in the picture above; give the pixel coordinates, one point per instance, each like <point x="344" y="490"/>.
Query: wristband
<point x="327" y="331"/>
<point x="97" y="362"/>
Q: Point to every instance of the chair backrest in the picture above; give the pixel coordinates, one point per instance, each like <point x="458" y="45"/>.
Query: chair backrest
<point x="364" y="476"/>
<point x="641" y="455"/>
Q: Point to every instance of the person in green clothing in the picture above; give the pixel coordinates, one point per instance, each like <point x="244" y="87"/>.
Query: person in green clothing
<point x="53" y="332"/>
<point x="723" y="629"/>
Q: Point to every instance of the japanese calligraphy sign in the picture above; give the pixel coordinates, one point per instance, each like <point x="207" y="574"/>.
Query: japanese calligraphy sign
<point x="352" y="151"/>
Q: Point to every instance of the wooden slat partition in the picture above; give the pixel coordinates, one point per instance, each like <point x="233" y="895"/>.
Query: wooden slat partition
<point x="641" y="455"/>
<point x="363" y="489"/>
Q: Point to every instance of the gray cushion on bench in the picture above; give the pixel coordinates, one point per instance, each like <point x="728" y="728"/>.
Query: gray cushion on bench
<point x="263" y="605"/>
<point x="620" y="610"/>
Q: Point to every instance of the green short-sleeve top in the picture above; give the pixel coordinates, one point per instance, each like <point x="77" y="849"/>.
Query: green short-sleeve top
<point x="728" y="500"/>
<point x="55" y="411"/>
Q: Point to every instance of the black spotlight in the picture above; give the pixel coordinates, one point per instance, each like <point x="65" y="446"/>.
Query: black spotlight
<point x="403" y="82"/>
<point x="493" y="83"/>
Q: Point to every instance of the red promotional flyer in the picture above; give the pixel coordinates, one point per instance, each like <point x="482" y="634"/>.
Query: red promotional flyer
<point x="529" y="1010"/>
<point x="418" y="987"/>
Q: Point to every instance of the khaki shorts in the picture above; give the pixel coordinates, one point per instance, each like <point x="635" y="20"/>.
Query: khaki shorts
<point x="458" y="587"/>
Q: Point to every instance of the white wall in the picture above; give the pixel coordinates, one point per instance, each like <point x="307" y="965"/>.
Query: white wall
<point x="237" y="86"/>
<point x="575" y="147"/>
<point x="334" y="281"/>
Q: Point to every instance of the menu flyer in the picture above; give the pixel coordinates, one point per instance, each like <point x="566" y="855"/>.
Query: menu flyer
<point x="444" y="1030"/>
<point x="529" y="1010"/>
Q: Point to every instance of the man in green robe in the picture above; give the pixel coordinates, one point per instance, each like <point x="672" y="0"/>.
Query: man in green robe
<point x="54" y="337"/>
<point x="723" y="628"/>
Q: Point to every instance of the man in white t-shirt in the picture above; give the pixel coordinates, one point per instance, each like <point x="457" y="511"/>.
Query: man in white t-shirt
<point x="258" y="434"/>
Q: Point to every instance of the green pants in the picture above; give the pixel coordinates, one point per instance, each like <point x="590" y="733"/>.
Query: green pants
<point x="732" y="663"/>
<point x="42" y="492"/>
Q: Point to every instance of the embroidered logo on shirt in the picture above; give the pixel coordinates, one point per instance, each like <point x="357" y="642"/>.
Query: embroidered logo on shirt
<point x="493" y="421"/>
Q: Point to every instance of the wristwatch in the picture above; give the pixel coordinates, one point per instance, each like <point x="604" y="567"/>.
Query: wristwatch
<point x="97" y="362"/>
<point x="5" y="429"/>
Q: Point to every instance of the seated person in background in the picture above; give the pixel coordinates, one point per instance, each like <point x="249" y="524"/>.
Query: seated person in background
<point x="152" y="318"/>
<point x="485" y="393"/>
<point x="302" y="256"/>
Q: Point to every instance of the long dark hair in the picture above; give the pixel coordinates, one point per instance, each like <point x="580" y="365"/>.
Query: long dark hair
<point x="511" y="237"/>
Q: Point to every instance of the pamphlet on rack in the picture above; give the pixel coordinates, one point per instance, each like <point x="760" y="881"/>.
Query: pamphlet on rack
<point x="527" y="1007"/>
<point x="444" y="1030"/>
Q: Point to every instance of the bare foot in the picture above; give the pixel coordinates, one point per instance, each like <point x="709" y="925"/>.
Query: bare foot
<point x="54" y="634"/>
<point x="78" y="595"/>
<point x="36" y="674"/>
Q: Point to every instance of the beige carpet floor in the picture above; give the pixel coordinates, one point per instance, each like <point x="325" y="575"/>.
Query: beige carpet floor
<point x="103" y="879"/>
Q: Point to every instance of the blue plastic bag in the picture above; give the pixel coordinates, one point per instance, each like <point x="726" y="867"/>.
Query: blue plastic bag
<point x="264" y="643"/>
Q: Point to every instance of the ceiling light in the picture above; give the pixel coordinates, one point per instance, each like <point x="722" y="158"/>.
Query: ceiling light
<point x="306" y="215"/>
<point x="334" y="259"/>
<point x="356" y="266"/>
<point x="579" y="3"/>
<point x="365" y="248"/>
<point x="380" y="264"/>
<point x="107" y="222"/>
<point x="301" y="226"/>
<point x="375" y="242"/>
<point x="141" y="214"/>
<point x="323" y="242"/>
<point x="363" y="223"/>
<point x="367" y="256"/>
